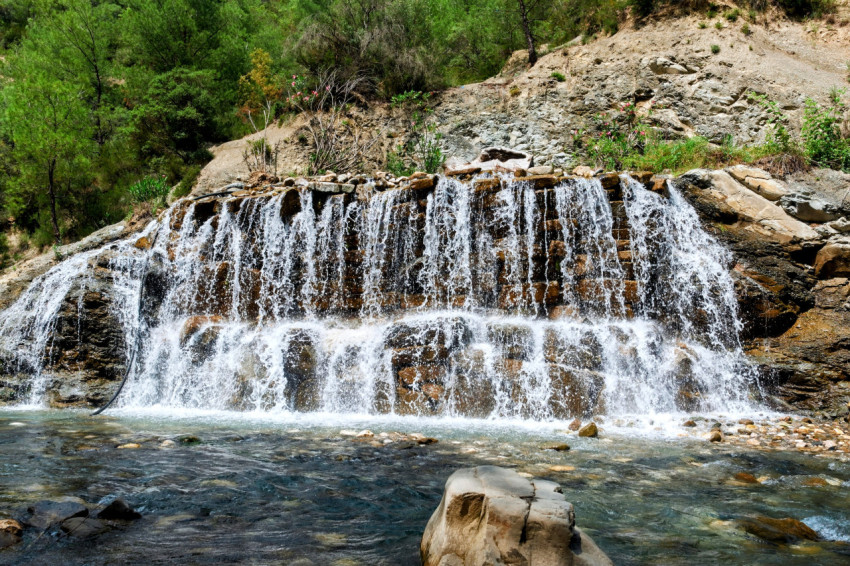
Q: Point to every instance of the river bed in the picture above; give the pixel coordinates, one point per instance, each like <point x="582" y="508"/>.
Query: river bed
<point x="305" y="489"/>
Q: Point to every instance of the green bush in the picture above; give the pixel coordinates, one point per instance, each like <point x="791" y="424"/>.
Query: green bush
<point x="823" y="140"/>
<point x="745" y="29"/>
<point x="185" y="186"/>
<point x="558" y="76"/>
<point x="149" y="189"/>
<point x="715" y="49"/>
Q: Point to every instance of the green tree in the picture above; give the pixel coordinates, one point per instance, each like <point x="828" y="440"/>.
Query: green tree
<point x="176" y="116"/>
<point x="52" y="143"/>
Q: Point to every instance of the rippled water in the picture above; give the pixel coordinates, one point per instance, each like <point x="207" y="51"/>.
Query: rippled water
<point x="294" y="491"/>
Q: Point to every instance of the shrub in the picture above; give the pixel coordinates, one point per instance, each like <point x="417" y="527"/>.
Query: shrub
<point x="558" y="76"/>
<point x="715" y="49"/>
<point x="415" y="97"/>
<point x="745" y="29"/>
<point x="732" y="15"/>
<point x="718" y="25"/>
<point x="703" y="25"/>
<point x="185" y="186"/>
<point x="396" y="164"/>
<point x="149" y="189"/>
<point x="823" y="139"/>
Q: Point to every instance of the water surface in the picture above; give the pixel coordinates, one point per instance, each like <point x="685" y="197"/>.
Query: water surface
<point x="293" y="490"/>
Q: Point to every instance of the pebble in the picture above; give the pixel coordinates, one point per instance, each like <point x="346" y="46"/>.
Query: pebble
<point x="562" y="468"/>
<point x="129" y="446"/>
<point x="167" y="444"/>
<point x="557" y="447"/>
<point x="800" y="434"/>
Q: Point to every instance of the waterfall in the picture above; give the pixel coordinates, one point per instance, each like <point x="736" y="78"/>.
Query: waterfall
<point x="496" y="298"/>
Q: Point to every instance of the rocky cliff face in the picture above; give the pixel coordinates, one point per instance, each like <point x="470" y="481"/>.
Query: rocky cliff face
<point x="791" y="275"/>
<point x="224" y="267"/>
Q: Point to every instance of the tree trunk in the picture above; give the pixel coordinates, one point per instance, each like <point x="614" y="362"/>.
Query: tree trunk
<point x="51" y="191"/>
<point x="526" y="28"/>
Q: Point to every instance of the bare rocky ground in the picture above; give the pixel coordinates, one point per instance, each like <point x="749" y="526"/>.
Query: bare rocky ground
<point x="666" y="64"/>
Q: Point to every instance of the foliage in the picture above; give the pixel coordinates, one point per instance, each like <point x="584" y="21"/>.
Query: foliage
<point x="823" y="138"/>
<point x="184" y="187"/>
<point x="149" y="189"/>
<point x="422" y="152"/>
<point x="779" y="139"/>
<point x="715" y="49"/>
<point x="411" y="97"/>
<point x="261" y="92"/>
<point x="558" y="76"/>
<point x="336" y="145"/>
<point x="97" y="94"/>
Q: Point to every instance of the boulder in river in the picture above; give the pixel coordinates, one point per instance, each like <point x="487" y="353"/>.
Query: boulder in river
<point x="119" y="510"/>
<point x="10" y="532"/>
<point x="46" y="513"/>
<point x="492" y="515"/>
<point x="83" y="527"/>
<point x="785" y="531"/>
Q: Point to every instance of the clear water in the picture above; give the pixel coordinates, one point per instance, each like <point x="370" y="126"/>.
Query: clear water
<point x="292" y="490"/>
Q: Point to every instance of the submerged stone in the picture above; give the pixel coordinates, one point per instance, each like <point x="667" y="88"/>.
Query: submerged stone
<point x="83" y="527"/>
<point x="787" y="530"/>
<point x="46" y="513"/>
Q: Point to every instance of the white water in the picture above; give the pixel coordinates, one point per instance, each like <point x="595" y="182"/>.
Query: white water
<point x="392" y="305"/>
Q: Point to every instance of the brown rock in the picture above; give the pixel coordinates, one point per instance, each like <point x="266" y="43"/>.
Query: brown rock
<point x="779" y="530"/>
<point x="10" y="532"/>
<point x="746" y="478"/>
<point x="715" y="436"/>
<point x="557" y="447"/>
<point x="413" y="375"/>
<point x="589" y="430"/>
<point x="833" y="260"/>
<point x="143" y="243"/>
<point x="575" y="425"/>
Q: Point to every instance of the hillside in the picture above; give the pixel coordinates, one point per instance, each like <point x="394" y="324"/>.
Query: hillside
<point x="664" y="66"/>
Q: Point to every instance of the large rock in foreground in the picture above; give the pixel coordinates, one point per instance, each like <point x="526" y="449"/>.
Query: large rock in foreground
<point x="491" y="515"/>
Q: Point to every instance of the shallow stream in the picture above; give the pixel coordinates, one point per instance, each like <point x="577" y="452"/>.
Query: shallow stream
<point x="297" y="490"/>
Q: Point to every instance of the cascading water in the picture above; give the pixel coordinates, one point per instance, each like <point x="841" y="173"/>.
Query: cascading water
<point x="492" y="299"/>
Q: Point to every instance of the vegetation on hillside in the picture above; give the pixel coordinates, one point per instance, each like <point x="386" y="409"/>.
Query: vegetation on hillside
<point x="105" y="102"/>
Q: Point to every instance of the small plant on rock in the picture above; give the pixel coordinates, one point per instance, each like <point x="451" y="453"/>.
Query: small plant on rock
<point x="558" y="76"/>
<point x="823" y="132"/>
<point x="718" y="25"/>
<point x="745" y="29"/>
<point x="149" y="189"/>
<point x="715" y="49"/>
